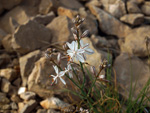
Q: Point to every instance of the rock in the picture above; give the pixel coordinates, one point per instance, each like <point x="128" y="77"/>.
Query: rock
<point x="5" y="85"/>
<point x="108" y="24"/>
<point x="17" y="82"/>
<point x="52" y="111"/>
<point x="14" y="106"/>
<point x="7" y="43"/>
<point x="73" y="4"/>
<point x="29" y="106"/>
<point x="60" y="29"/>
<point x="3" y="98"/>
<point x="4" y="60"/>
<point x="66" y="12"/>
<point x="22" y="90"/>
<point x="9" y="3"/>
<point x="15" y="98"/>
<point x="27" y="95"/>
<point x="9" y="74"/>
<point x="18" y="14"/>
<point x="133" y="19"/>
<point x="45" y="6"/>
<point x="90" y="22"/>
<point x="117" y="9"/>
<point x="55" y="103"/>
<point x="1" y="8"/>
<point x="145" y="8"/>
<point x="147" y="19"/>
<point x="93" y="2"/>
<point x="38" y="35"/>
<point x="5" y="107"/>
<point x="132" y="7"/>
<point x="138" y="2"/>
<point x="127" y="67"/>
<point x="135" y="42"/>
<point x="27" y="63"/>
<point x="44" y="19"/>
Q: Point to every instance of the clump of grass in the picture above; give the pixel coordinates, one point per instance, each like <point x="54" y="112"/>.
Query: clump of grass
<point x="100" y="95"/>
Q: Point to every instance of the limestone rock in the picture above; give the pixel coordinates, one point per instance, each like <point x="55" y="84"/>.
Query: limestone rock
<point x="2" y="35"/>
<point x="66" y="12"/>
<point x="55" y="103"/>
<point x="30" y="37"/>
<point x="27" y="63"/>
<point x="146" y="8"/>
<point x="18" y="14"/>
<point x="132" y="7"/>
<point x="127" y="67"/>
<point x="117" y="9"/>
<point x="108" y="24"/>
<point x="133" y="19"/>
<point x="41" y="111"/>
<point x="13" y="106"/>
<point x="60" y="29"/>
<point x="9" y="74"/>
<point x="29" y="106"/>
<point x="4" y="60"/>
<point x="27" y="95"/>
<point x="135" y="42"/>
<point x="9" y="3"/>
<point x="44" y="19"/>
<point x="5" y="107"/>
<point x="96" y="3"/>
<point x="5" y="86"/>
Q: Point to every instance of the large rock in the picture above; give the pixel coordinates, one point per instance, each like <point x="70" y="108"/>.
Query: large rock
<point x="117" y="9"/>
<point x="109" y="24"/>
<point x="135" y="42"/>
<point x="30" y="37"/>
<point x="133" y="19"/>
<point x="18" y="14"/>
<point x="131" y="69"/>
<point x="27" y="63"/>
<point x="9" y="3"/>
<point x="4" y="99"/>
<point x="2" y="35"/>
<point x="60" y="29"/>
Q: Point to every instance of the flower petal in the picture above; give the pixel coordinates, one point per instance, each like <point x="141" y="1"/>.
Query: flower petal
<point x="80" y="58"/>
<point x="89" y="51"/>
<point x="56" y="69"/>
<point x="62" y="81"/>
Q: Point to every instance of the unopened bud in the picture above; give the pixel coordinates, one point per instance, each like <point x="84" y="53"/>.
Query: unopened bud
<point x="93" y="70"/>
<point x="102" y="76"/>
<point x="59" y="58"/>
<point x="65" y="47"/>
<point x="85" y="33"/>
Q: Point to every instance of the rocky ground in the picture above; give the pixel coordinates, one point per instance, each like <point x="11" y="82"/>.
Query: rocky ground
<point x="29" y="27"/>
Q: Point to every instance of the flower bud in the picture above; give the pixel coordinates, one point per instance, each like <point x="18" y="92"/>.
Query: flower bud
<point x="59" y="58"/>
<point x="93" y="70"/>
<point x="85" y="33"/>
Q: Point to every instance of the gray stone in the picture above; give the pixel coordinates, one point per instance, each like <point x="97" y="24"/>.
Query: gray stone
<point x="4" y="60"/>
<point x="109" y="24"/>
<point x="27" y="95"/>
<point x="27" y="63"/>
<point x="14" y="106"/>
<point x="133" y="19"/>
<point x="146" y="8"/>
<point x="131" y="69"/>
<point x="5" y="107"/>
<point x="60" y="29"/>
<point x="8" y="73"/>
<point x="30" y="37"/>
<point x="29" y="106"/>
<point x="135" y="43"/>
<point x="41" y="111"/>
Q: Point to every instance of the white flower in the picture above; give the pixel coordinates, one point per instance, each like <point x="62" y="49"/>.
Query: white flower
<point x="74" y="52"/>
<point x="69" y="70"/>
<point x="59" y="75"/>
<point x="86" y="48"/>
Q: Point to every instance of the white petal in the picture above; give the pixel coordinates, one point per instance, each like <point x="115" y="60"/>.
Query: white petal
<point x="53" y="76"/>
<point x="76" y="46"/>
<point x="81" y="43"/>
<point x="73" y="45"/>
<point x="70" y="75"/>
<point x="61" y="73"/>
<point x="62" y="81"/>
<point x="80" y="51"/>
<point x="89" y="51"/>
<point x="80" y="58"/>
<point x="56" y="69"/>
<point x="69" y="45"/>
